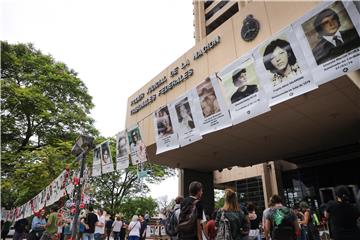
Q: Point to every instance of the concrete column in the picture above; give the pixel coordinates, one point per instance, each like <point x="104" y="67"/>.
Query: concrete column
<point x="206" y="178"/>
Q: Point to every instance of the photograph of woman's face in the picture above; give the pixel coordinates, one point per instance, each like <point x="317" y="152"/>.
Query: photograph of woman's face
<point x="279" y="59"/>
<point x="183" y="111"/>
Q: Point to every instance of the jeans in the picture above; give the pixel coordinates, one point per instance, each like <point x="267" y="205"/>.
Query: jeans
<point x="133" y="238"/>
<point x="88" y="236"/>
<point x="99" y="236"/>
<point x="116" y="235"/>
<point x="18" y="236"/>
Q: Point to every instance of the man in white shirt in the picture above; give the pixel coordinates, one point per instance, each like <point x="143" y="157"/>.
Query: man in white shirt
<point x="99" y="233"/>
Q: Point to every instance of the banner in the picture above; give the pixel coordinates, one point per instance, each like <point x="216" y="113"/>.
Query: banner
<point x="329" y="38"/>
<point x="122" y="152"/>
<point x="137" y="146"/>
<point x="244" y="94"/>
<point x="282" y="69"/>
<point x="96" y="169"/>
<point x="107" y="164"/>
<point x="185" y="119"/>
<point x="166" y="137"/>
<point x="209" y="101"/>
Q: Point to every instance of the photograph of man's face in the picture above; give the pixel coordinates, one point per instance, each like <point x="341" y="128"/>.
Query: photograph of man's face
<point x="331" y="33"/>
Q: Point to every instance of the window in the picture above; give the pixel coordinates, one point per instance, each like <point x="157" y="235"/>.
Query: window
<point x="220" y="20"/>
<point x="219" y="6"/>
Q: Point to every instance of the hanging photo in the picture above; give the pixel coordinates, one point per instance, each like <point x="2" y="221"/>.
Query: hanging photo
<point x="122" y="153"/>
<point x="107" y="164"/>
<point x="185" y="119"/>
<point x="244" y="94"/>
<point x="166" y="137"/>
<point x="282" y="69"/>
<point x="210" y="102"/>
<point x="329" y="38"/>
<point x="96" y="168"/>
<point x="137" y="146"/>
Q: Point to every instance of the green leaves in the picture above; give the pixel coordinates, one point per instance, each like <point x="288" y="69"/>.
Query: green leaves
<point x="44" y="107"/>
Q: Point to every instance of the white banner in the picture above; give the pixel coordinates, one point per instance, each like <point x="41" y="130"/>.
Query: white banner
<point x="166" y="137"/>
<point x="209" y="101"/>
<point x="329" y="38"/>
<point x="122" y="152"/>
<point x="137" y="145"/>
<point x="242" y="90"/>
<point x="185" y="119"/>
<point x="107" y="164"/>
<point x="282" y="69"/>
<point x="96" y="168"/>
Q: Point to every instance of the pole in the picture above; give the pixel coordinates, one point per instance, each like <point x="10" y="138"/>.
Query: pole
<point x="77" y="203"/>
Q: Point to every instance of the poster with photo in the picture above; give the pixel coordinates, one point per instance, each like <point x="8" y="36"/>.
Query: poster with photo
<point x="244" y="94"/>
<point x="281" y="67"/>
<point x="166" y="137"/>
<point x="122" y="152"/>
<point x="96" y="168"/>
<point x="185" y="118"/>
<point x="209" y="101"/>
<point x="107" y="164"/>
<point x="329" y="38"/>
<point x="137" y="145"/>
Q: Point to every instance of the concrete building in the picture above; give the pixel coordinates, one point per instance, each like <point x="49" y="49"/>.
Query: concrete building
<point x="300" y="149"/>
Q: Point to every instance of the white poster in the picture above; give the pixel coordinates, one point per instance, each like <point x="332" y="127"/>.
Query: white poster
<point x="329" y="38"/>
<point x="96" y="168"/>
<point x="244" y="94"/>
<point x="282" y="69"/>
<point x="209" y="101"/>
<point x="137" y="146"/>
<point x="122" y="152"/>
<point x="185" y="119"/>
<point x="107" y="164"/>
<point x="166" y="137"/>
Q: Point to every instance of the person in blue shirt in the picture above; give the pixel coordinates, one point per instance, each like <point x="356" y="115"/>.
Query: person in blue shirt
<point x="38" y="224"/>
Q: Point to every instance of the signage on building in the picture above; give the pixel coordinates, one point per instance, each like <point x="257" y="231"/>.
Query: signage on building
<point x="250" y="28"/>
<point x="176" y="77"/>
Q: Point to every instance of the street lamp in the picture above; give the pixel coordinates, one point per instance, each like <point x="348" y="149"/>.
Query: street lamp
<point x="81" y="147"/>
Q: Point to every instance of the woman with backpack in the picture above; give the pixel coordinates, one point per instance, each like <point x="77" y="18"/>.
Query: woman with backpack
<point x="231" y="222"/>
<point x="307" y="225"/>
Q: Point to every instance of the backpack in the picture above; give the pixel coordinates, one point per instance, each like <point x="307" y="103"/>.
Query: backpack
<point x="171" y="224"/>
<point x="187" y="227"/>
<point x="282" y="224"/>
<point x="224" y="230"/>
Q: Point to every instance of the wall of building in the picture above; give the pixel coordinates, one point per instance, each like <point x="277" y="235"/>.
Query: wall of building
<point x="272" y="17"/>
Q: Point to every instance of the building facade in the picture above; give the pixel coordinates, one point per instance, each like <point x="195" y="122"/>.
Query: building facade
<point x="301" y="148"/>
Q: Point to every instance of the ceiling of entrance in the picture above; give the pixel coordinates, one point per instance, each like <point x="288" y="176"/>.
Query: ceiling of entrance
<point x="325" y="118"/>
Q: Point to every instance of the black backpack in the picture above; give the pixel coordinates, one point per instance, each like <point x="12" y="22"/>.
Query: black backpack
<point x="171" y="224"/>
<point x="282" y="224"/>
<point x="187" y="227"/>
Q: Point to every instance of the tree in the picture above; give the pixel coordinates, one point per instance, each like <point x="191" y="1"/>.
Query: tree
<point x="164" y="204"/>
<point x="44" y="107"/>
<point x="138" y="205"/>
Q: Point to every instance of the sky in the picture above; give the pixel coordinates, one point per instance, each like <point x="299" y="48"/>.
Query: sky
<point x="115" y="46"/>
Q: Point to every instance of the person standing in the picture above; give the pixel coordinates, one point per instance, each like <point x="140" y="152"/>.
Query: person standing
<point x="20" y="228"/>
<point x="99" y="233"/>
<point x="38" y="225"/>
<point x="108" y="227"/>
<point x="89" y="223"/>
<point x="134" y="228"/>
<point x="51" y="227"/>
<point x="281" y="223"/>
<point x="239" y="222"/>
<point x="307" y="225"/>
<point x="116" y="228"/>
<point x="254" y="222"/>
<point x="191" y="206"/>
<point x="342" y="216"/>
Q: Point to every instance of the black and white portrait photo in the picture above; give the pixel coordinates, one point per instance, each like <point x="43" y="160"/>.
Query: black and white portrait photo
<point x="279" y="59"/>
<point x="208" y="100"/>
<point x="184" y="115"/>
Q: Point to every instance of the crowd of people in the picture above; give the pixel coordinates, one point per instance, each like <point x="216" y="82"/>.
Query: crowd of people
<point x="235" y="220"/>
